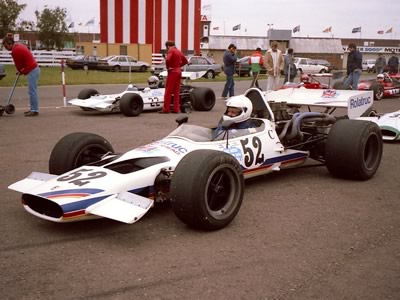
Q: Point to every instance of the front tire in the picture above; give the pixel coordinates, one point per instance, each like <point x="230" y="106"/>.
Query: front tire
<point x="131" y="105"/>
<point x="87" y="93"/>
<point x="202" y="98"/>
<point x="353" y="149"/>
<point x="207" y="189"/>
<point x="209" y="75"/>
<point x="77" y="149"/>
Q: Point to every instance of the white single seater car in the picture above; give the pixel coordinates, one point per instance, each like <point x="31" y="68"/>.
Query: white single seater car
<point x="388" y="123"/>
<point x="201" y="170"/>
<point x="134" y="100"/>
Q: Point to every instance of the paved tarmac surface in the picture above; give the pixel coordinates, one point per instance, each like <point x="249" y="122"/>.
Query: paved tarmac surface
<point x="300" y="234"/>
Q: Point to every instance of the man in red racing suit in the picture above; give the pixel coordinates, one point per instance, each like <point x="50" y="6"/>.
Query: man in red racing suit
<point x="175" y="60"/>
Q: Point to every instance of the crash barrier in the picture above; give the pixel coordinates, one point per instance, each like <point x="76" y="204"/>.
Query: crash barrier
<point x="43" y="57"/>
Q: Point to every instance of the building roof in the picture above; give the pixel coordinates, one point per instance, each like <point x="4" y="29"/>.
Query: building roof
<point x="316" y="45"/>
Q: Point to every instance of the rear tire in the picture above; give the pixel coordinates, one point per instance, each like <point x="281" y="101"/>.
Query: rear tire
<point x="77" y="149"/>
<point x="202" y="98"/>
<point x="353" y="149"/>
<point x="207" y="189"/>
<point x="131" y="105"/>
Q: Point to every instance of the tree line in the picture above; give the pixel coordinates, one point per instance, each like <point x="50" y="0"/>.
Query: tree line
<point x="50" y="25"/>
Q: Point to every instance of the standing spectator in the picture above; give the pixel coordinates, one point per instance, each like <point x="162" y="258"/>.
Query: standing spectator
<point x="229" y="59"/>
<point x="393" y="63"/>
<point x="25" y="64"/>
<point x="174" y="62"/>
<point x="354" y="67"/>
<point x="380" y="63"/>
<point x="274" y="63"/>
<point x="289" y="69"/>
<point x="256" y="62"/>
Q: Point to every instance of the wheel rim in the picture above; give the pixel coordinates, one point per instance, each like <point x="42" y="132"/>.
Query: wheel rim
<point x="379" y="93"/>
<point x="134" y="105"/>
<point x="222" y="192"/>
<point x="209" y="75"/>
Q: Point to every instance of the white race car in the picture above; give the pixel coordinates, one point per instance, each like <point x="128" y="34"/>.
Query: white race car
<point x="134" y="100"/>
<point x="388" y="123"/>
<point x="202" y="170"/>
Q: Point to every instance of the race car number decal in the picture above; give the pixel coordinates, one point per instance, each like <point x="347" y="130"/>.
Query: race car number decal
<point x="75" y="177"/>
<point x="154" y="101"/>
<point x="249" y="158"/>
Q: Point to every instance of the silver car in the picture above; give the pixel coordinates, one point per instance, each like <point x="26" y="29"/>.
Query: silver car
<point x="118" y="63"/>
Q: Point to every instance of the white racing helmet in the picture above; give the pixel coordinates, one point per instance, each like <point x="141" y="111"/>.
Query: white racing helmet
<point x="380" y="77"/>
<point x="243" y="104"/>
<point x="153" y="81"/>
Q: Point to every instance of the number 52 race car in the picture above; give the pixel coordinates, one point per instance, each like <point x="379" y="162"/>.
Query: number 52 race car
<point x="202" y="171"/>
<point x="134" y="100"/>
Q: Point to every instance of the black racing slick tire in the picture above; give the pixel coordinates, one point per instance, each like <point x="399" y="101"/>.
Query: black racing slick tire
<point x="353" y="149"/>
<point x="77" y="149"/>
<point x="202" y="98"/>
<point x="207" y="189"/>
<point x="131" y="105"/>
<point x="378" y="91"/>
<point x="9" y="109"/>
<point x="87" y="93"/>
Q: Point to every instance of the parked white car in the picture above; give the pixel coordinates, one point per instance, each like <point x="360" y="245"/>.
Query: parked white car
<point x="118" y="63"/>
<point x="368" y="65"/>
<point x="309" y="66"/>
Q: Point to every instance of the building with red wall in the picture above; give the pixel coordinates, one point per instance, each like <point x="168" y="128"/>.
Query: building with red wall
<point x="151" y="22"/>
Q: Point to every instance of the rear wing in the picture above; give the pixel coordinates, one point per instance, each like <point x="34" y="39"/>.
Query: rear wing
<point x="356" y="102"/>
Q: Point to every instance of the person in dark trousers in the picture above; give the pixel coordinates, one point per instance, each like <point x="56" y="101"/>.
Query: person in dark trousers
<point x="229" y="59"/>
<point x="26" y="65"/>
<point x="289" y="68"/>
<point x="354" y="67"/>
<point x="256" y="62"/>
<point x="393" y="63"/>
<point x="174" y="62"/>
<point x="380" y="63"/>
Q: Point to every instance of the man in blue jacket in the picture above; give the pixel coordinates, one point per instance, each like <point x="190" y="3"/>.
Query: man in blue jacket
<point x="230" y="59"/>
<point x="354" y="67"/>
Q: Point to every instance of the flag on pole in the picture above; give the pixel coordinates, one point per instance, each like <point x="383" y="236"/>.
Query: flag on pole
<point x="297" y="28"/>
<point x="216" y="28"/>
<point x="206" y="7"/>
<point x="90" y="22"/>
<point x="329" y="29"/>
<point x="389" y="30"/>
<point x="80" y="24"/>
<point x="237" y="27"/>
<point x="356" y="29"/>
<point x="71" y="25"/>
<point x="380" y="32"/>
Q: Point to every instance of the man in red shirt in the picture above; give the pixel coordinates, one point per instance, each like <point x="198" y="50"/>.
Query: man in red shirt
<point x="26" y="65"/>
<point x="175" y="60"/>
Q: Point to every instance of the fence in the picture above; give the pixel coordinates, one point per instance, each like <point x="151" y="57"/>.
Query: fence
<point x="44" y="58"/>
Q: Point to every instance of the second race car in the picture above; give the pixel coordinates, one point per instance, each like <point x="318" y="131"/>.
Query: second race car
<point x="134" y="100"/>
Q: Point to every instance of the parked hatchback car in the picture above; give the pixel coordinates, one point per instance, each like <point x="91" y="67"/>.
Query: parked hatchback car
<point x="325" y="63"/>
<point x="84" y="62"/>
<point x="309" y="66"/>
<point x="243" y="67"/>
<point x="368" y="65"/>
<point x="118" y="63"/>
<point x="2" y="72"/>
<point x="195" y="64"/>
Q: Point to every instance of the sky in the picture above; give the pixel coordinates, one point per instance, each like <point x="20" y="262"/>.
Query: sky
<point x="257" y="16"/>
